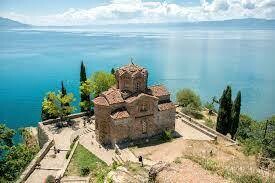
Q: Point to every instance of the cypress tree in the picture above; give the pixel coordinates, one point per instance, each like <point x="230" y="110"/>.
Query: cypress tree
<point x="63" y="89"/>
<point x="236" y="109"/>
<point x="113" y="71"/>
<point x="83" y="78"/>
<point x="224" y="113"/>
<point x="228" y="109"/>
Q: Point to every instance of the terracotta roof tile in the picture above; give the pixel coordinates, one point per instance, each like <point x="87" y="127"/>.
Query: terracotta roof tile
<point x="166" y="106"/>
<point x="100" y="101"/>
<point x="113" y="96"/>
<point x="132" y="69"/>
<point x="159" y="90"/>
<point x="120" y="114"/>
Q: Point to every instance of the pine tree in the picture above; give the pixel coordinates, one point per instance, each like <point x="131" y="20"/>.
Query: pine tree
<point x="224" y="113"/>
<point x="84" y="98"/>
<point x="236" y="109"/>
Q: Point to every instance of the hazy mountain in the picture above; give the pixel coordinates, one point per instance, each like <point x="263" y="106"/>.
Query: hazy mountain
<point x="7" y="23"/>
<point x="249" y="23"/>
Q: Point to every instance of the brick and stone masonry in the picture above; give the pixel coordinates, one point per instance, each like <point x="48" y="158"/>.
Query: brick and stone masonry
<point x="131" y="110"/>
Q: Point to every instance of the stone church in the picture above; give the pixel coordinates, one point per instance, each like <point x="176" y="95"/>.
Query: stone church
<point x="131" y="110"/>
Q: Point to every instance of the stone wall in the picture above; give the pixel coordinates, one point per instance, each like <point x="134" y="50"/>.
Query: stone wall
<point x="166" y="119"/>
<point x="31" y="167"/>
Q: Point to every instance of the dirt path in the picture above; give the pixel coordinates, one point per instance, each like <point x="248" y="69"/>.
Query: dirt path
<point x="187" y="172"/>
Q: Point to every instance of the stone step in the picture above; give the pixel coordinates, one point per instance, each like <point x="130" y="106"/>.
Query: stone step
<point x="75" y="179"/>
<point x="118" y="159"/>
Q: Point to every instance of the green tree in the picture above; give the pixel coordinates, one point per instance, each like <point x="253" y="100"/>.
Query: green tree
<point x="44" y="114"/>
<point x="236" y="110"/>
<point x="224" y="113"/>
<point x="188" y="98"/>
<point x="99" y="82"/>
<point x="87" y="104"/>
<point x="245" y="127"/>
<point x="56" y="104"/>
<point x="15" y="158"/>
<point x="64" y="93"/>
<point x="84" y="96"/>
<point x="6" y="135"/>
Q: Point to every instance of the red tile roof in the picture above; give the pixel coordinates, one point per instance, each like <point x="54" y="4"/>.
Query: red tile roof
<point x="113" y="96"/>
<point x="166" y="106"/>
<point x="100" y="101"/>
<point x="132" y="69"/>
<point x="158" y="90"/>
<point x="120" y="114"/>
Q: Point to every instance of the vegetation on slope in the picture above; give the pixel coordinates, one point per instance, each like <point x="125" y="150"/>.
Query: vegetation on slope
<point x="15" y="158"/>
<point x="85" y="163"/>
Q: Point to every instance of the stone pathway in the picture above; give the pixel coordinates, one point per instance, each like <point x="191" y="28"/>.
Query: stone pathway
<point x="52" y="163"/>
<point x="88" y="140"/>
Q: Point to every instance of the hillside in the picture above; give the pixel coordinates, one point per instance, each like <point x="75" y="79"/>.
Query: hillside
<point x="8" y="23"/>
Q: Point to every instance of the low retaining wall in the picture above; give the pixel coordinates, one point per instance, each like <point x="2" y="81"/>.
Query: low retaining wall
<point x="45" y="142"/>
<point x="211" y="135"/>
<point x="71" y="116"/>
<point x="207" y="128"/>
<point x="61" y="172"/>
<point x="31" y="167"/>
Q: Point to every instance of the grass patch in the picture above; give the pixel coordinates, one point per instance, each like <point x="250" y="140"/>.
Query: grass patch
<point x="246" y="176"/>
<point x="85" y="163"/>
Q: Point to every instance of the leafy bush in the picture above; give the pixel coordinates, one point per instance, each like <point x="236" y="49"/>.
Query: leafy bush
<point x="209" y="123"/>
<point x="166" y="135"/>
<point x="188" y="98"/>
<point x="251" y="147"/>
<point x="50" y="179"/>
<point x="192" y="112"/>
<point x="210" y="107"/>
<point x="84" y="171"/>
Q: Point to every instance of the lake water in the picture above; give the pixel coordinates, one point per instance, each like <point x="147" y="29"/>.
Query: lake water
<point x="33" y="62"/>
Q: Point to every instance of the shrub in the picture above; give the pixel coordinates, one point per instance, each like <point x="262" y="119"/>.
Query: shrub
<point x="50" y="179"/>
<point x="250" y="178"/>
<point x="251" y="147"/>
<point x="84" y="171"/>
<point x="192" y="112"/>
<point x="188" y="98"/>
<point x="210" y="107"/>
<point x="166" y="135"/>
<point x="209" y="123"/>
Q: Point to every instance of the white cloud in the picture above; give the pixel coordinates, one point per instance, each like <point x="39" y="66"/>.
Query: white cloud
<point x="137" y="11"/>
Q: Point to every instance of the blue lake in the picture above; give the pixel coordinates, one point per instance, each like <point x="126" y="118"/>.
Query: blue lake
<point x="33" y="62"/>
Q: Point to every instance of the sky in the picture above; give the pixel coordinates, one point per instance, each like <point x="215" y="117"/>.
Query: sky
<point x="88" y="12"/>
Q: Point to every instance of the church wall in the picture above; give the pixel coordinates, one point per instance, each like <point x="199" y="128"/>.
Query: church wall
<point x="102" y="120"/>
<point x="166" y="119"/>
<point x="119" y="130"/>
